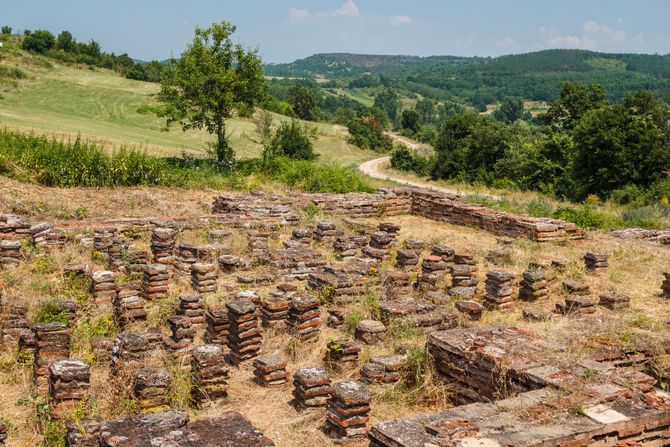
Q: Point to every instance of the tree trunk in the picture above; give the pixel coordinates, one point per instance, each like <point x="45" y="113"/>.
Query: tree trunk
<point x="225" y="156"/>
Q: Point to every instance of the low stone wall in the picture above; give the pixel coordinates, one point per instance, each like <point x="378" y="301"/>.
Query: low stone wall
<point x="385" y="202"/>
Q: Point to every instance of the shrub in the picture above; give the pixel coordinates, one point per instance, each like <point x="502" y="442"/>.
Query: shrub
<point x="367" y="132"/>
<point x="586" y="216"/>
<point x="404" y="159"/>
<point x="39" y="41"/>
<point x="294" y="141"/>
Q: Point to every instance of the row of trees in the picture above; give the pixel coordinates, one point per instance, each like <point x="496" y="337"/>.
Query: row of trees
<point x="585" y="145"/>
<point x="66" y="48"/>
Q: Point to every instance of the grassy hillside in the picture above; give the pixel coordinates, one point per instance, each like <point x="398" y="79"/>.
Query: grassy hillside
<point x="107" y="109"/>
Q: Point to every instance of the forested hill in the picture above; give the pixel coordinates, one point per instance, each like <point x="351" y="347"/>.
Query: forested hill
<point x="534" y="76"/>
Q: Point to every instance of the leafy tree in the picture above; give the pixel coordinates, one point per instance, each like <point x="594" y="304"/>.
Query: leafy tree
<point x="387" y="101"/>
<point x="615" y="148"/>
<point x="6" y="30"/>
<point x="212" y="79"/>
<point x="573" y="103"/>
<point x="510" y="110"/>
<point x="292" y="140"/>
<point x="426" y="109"/>
<point x="39" y="41"/>
<point x="449" y="110"/>
<point x="91" y="49"/>
<point x="66" y="42"/>
<point x="410" y="120"/>
<point x="367" y="132"/>
<point x="302" y="100"/>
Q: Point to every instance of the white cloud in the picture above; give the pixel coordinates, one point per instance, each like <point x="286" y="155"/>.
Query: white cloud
<point x="400" y="20"/>
<point x="594" y="36"/>
<point x="507" y="43"/>
<point x="296" y="15"/>
<point x="348" y="9"/>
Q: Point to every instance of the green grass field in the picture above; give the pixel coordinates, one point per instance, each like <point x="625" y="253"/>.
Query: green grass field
<point x="103" y="107"/>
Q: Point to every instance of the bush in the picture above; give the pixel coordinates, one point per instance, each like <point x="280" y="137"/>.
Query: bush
<point x="586" y="216"/>
<point x="39" y="41"/>
<point x="367" y="132"/>
<point x="405" y="159"/>
<point x="294" y="141"/>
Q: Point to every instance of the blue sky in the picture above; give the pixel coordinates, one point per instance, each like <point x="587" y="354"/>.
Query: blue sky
<point x="285" y="30"/>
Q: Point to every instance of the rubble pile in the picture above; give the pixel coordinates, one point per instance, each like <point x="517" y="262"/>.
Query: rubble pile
<point x="13" y="321"/>
<point x="52" y="343"/>
<point x="244" y="339"/>
<point x="270" y="370"/>
<point x="304" y="317"/>
<point x="231" y="263"/>
<point x="210" y="373"/>
<point x="258" y="241"/>
<point x="187" y="255"/>
<point x="464" y="276"/>
<point x="347" y="412"/>
<point x="182" y="334"/>
<point x="129" y="350"/>
<point x="218" y="326"/>
<point x="302" y="236"/>
<point x="150" y="387"/>
<point x="204" y="277"/>
<point x="444" y="252"/>
<point x="472" y="309"/>
<point x="311" y="387"/>
<point x="380" y="245"/>
<point x="275" y="308"/>
<point x="13" y="226"/>
<point x="335" y="319"/>
<point x="533" y="285"/>
<point x="163" y="241"/>
<point x="499" y="290"/>
<point x="326" y="232"/>
<point x="577" y="305"/>
<point x="418" y="314"/>
<point x="349" y="247"/>
<point x="295" y="263"/>
<point x="406" y="259"/>
<point x="10" y="253"/>
<point x="614" y="300"/>
<point x="69" y="383"/>
<point x="46" y="237"/>
<point x="155" y="281"/>
<point x="339" y="284"/>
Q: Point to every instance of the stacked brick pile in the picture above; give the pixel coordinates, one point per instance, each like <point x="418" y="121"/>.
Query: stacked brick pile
<point x="389" y="202"/>
<point x="577" y="305"/>
<point x="150" y="387"/>
<point x="348" y="247"/>
<point x="137" y="259"/>
<point x="499" y="290"/>
<point x="69" y="383"/>
<point x="275" y="308"/>
<point x="103" y="287"/>
<point x="348" y="409"/>
<point x="182" y="334"/>
<point x="192" y="307"/>
<point x="444" y="252"/>
<point x="129" y="349"/>
<point x="13" y="321"/>
<point x="304" y="317"/>
<point x="665" y="288"/>
<point x="302" y="236"/>
<point x="432" y="271"/>
<point x="270" y="370"/>
<point x="83" y="432"/>
<point x="295" y="263"/>
<point x="52" y="343"/>
<point x="204" y="277"/>
<point x="46" y="237"/>
<point x="326" y="232"/>
<point x="407" y="259"/>
<point x="128" y="304"/>
<point x="595" y="262"/>
<point x="244" y="339"/>
<point x="163" y="241"/>
<point x="103" y="239"/>
<point x="534" y="285"/>
<point x="218" y="326"/>
<point x="342" y="354"/>
<point x="210" y="373"/>
<point x="12" y="225"/>
<point x="380" y="245"/>
<point x="311" y="387"/>
<point x="464" y="276"/>
<point x="102" y="350"/>
<point x="614" y="300"/>
<point x="116" y="252"/>
<point x="335" y="319"/>
<point x="389" y="228"/>
<point x="471" y="309"/>
<point x="383" y="369"/>
<point x="257" y="241"/>
<point x="67" y="309"/>
<point x="3" y="433"/>
<point x="10" y="253"/>
<point x="231" y="263"/>
<point x="576" y="288"/>
<point x="187" y="255"/>
<point x="414" y="244"/>
<point x="243" y="211"/>
<point x="370" y="332"/>
<point x="155" y="281"/>
<point x="418" y="314"/>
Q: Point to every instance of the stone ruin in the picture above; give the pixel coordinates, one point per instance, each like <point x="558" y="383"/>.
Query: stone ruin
<point x="244" y="338"/>
<point x="311" y="387"/>
<point x="69" y="383"/>
<point x="52" y="343"/>
<point x="527" y="379"/>
<point x="103" y="287"/>
<point x="172" y="428"/>
<point x="595" y="262"/>
<point x="270" y="370"/>
<point x="210" y="373"/>
<point x="163" y="242"/>
<point x="218" y="325"/>
<point x="499" y="290"/>
<point x="10" y="253"/>
<point x="150" y="386"/>
<point x="46" y="237"/>
<point x="129" y="304"/>
<point x="304" y="317"/>
<point x="204" y="277"/>
<point x="347" y="412"/>
<point x="155" y="281"/>
<point x="383" y="369"/>
<point x="341" y="355"/>
<point x="13" y="227"/>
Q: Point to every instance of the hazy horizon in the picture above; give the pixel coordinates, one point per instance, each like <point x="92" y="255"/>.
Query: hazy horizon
<point x="286" y="30"/>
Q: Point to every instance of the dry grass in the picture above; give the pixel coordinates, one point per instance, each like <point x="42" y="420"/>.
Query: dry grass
<point x="635" y="268"/>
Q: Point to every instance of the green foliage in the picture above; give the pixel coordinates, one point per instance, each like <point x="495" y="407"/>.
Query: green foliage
<point x="388" y="102"/>
<point x="573" y="103"/>
<point x="426" y="109"/>
<point x="292" y="140"/>
<point x="12" y="72"/>
<point x="51" y="313"/>
<point x="303" y="102"/>
<point x="367" y="132"/>
<point x="410" y="120"/>
<point x="511" y="109"/>
<point x="407" y="160"/>
<point x="213" y="79"/>
<point x="6" y="30"/>
<point x="39" y="41"/>
<point x="586" y="216"/>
